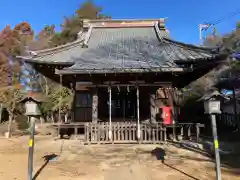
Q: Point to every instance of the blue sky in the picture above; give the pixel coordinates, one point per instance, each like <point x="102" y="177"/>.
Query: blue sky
<point x="183" y="15"/>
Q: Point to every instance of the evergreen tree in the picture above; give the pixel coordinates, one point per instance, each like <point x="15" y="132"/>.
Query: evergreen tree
<point x="74" y="24"/>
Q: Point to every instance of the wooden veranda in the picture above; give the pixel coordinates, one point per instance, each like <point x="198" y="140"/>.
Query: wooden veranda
<point x="126" y="132"/>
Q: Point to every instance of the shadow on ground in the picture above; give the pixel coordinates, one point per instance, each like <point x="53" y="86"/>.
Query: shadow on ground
<point x="47" y="159"/>
<point x="228" y="159"/>
<point x="160" y="154"/>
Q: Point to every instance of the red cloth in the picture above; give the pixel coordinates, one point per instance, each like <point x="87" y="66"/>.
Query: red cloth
<point x="166" y="115"/>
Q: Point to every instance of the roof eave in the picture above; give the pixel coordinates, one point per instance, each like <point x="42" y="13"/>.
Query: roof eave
<point x="56" y="49"/>
<point x="34" y="55"/>
<point x="215" y="58"/>
<point x="204" y="48"/>
<point x="31" y="60"/>
<point x="121" y="71"/>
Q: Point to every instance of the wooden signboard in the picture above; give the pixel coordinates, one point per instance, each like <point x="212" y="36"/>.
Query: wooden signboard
<point x="82" y="86"/>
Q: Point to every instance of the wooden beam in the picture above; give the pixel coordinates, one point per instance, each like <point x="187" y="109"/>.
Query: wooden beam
<point x="152" y="98"/>
<point x="95" y="106"/>
<point x="124" y="71"/>
<point x="110" y="112"/>
<point x="138" y="116"/>
<point x="123" y="85"/>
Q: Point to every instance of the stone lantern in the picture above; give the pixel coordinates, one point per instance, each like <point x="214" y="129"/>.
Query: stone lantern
<point x="212" y="106"/>
<point x="32" y="110"/>
<point x="212" y="101"/>
<point x="32" y="103"/>
<point x="32" y="107"/>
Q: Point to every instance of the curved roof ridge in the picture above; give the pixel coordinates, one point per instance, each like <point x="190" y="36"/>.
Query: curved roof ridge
<point x="117" y="20"/>
<point x="191" y="46"/>
<point x="163" y="38"/>
<point x="86" y="22"/>
<point x="122" y="22"/>
<point x="57" y="49"/>
<point x="159" y="30"/>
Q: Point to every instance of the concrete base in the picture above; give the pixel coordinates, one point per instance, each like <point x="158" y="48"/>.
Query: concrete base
<point x="206" y="145"/>
<point x="7" y="135"/>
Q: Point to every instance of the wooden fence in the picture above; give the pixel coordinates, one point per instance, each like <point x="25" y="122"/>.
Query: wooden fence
<point x="228" y="120"/>
<point x="123" y="132"/>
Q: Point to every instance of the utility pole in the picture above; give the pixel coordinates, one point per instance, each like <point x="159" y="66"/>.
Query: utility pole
<point x="201" y="27"/>
<point x="200" y="34"/>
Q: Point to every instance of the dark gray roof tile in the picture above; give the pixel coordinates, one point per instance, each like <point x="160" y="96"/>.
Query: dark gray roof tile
<point x="123" y="48"/>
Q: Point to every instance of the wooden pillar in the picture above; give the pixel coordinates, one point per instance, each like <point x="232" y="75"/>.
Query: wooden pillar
<point x="60" y="105"/>
<point x="197" y="132"/>
<point x="60" y="101"/>
<point x="95" y="106"/>
<point x="234" y="102"/>
<point x="138" y="116"/>
<point x="152" y="98"/>
<point x="235" y="108"/>
<point x="110" y="112"/>
<point x="74" y="101"/>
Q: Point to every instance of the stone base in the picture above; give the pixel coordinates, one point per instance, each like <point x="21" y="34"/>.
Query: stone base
<point x="7" y="135"/>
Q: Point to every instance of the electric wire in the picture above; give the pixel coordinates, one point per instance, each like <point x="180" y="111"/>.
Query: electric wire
<point x="229" y="15"/>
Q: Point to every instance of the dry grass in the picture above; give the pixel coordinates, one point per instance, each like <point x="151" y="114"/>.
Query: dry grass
<point x="118" y="162"/>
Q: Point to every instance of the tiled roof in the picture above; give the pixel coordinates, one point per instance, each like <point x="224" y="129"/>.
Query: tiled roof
<point x="121" y="46"/>
<point x="213" y="93"/>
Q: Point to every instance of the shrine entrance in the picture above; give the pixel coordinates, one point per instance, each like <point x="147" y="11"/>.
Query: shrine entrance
<point x="123" y="104"/>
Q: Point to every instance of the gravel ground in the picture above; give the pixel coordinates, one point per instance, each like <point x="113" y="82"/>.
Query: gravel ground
<point x="96" y="162"/>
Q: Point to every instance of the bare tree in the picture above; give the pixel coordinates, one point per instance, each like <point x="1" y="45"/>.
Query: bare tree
<point x="10" y="96"/>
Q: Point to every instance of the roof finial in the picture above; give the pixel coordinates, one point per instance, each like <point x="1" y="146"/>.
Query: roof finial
<point x="27" y="52"/>
<point x="86" y="23"/>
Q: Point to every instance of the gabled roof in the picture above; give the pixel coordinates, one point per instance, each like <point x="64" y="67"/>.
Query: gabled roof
<point x="108" y="46"/>
<point x="38" y="97"/>
<point x="213" y="93"/>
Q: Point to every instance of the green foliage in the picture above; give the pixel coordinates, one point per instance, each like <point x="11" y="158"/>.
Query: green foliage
<point x="57" y="97"/>
<point x="69" y="33"/>
<point x="238" y="25"/>
<point x="22" y="122"/>
<point x="88" y="10"/>
<point x="46" y="107"/>
<point x="63" y="99"/>
<point x="74" y="24"/>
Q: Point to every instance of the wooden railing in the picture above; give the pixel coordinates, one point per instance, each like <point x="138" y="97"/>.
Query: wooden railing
<point x="153" y="133"/>
<point x="229" y="120"/>
<point x="127" y="132"/>
<point x="124" y="133"/>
